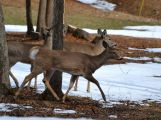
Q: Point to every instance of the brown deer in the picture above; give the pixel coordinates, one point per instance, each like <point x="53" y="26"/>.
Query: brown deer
<point x="74" y="63"/>
<point x="19" y="52"/>
<point x="94" y="48"/>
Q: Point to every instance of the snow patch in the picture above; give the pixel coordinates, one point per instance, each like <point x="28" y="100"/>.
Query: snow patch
<point x="100" y="4"/>
<point x="17" y="28"/>
<point x="8" y="107"/>
<point x="113" y="116"/>
<point x="39" y="118"/>
<point x="155" y="50"/>
<point x="63" y="111"/>
<point x="152" y="32"/>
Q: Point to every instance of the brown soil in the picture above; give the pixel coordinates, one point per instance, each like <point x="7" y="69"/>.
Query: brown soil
<point x="84" y="107"/>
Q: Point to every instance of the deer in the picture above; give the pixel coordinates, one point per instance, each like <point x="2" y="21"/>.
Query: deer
<point x="75" y="63"/>
<point x="19" y="52"/>
<point x="93" y="48"/>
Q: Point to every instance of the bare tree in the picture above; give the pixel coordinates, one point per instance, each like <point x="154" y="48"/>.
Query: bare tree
<point x="4" y="63"/>
<point x="49" y="13"/>
<point x="41" y="20"/>
<point x="58" y="11"/>
<point x="30" y="28"/>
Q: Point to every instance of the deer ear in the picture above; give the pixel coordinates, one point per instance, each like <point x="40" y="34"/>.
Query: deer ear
<point x="104" y="33"/>
<point x="99" y="32"/>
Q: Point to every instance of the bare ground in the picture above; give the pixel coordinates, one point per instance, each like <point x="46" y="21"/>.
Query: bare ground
<point x="84" y="107"/>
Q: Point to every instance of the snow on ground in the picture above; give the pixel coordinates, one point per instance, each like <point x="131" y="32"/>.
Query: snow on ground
<point x="60" y="111"/>
<point x="156" y="59"/>
<point x="7" y="107"/>
<point x="144" y="28"/>
<point x="155" y="50"/>
<point x="100" y="4"/>
<point x="16" y="28"/>
<point x="134" y="31"/>
<point x="39" y="118"/>
<point x="132" y="81"/>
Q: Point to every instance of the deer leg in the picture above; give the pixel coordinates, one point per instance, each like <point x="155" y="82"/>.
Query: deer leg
<point x="88" y="86"/>
<point x="72" y="80"/>
<point x="76" y="84"/>
<point x="46" y="81"/>
<point x="28" y="78"/>
<point x="14" y="78"/>
<point x="29" y="83"/>
<point x="92" y="79"/>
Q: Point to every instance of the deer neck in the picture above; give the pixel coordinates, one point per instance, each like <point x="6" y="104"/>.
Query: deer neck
<point x="48" y="43"/>
<point x="101" y="58"/>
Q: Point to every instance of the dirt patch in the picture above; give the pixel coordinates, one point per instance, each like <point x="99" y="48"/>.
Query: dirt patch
<point x="83" y="107"/>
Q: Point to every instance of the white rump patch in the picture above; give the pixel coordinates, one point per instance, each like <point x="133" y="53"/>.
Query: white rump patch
<point x="33" y="52"/>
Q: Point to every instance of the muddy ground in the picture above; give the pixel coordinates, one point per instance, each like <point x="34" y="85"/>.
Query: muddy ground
<point x="85" y="107"/>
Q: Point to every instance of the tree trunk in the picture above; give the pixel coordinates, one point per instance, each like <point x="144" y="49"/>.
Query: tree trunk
<point x="41" y="20"/>
<point x="58" y="11"/>
<point x="4" y="63"/>
<point x="49" y="13"/>
<point x="30" y="28"/>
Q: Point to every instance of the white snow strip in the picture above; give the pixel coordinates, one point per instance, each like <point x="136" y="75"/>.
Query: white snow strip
<point x="155" y="59"/>
<point x="155" y="50"/>
<point x="7" y="107"/>
<point x="138" y="58"/>
<point x="154" y="28"/>
<point x="132" y="33"/>
<point x="113" y="116"/>
<point x="16" y="28"/>
<point x="39" y="118"/>
<point x="130" y="48"/>
<point x="100" y="4"/>
<point x="62" y="111"/>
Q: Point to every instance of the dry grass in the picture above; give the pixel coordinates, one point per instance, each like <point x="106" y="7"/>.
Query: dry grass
<point x="77" y="14"/>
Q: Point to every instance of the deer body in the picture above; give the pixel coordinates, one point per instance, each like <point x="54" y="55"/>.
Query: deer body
<point x="87" y="48"/>
<point x="19" y="52"/>
<point x="77" y="64"/>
